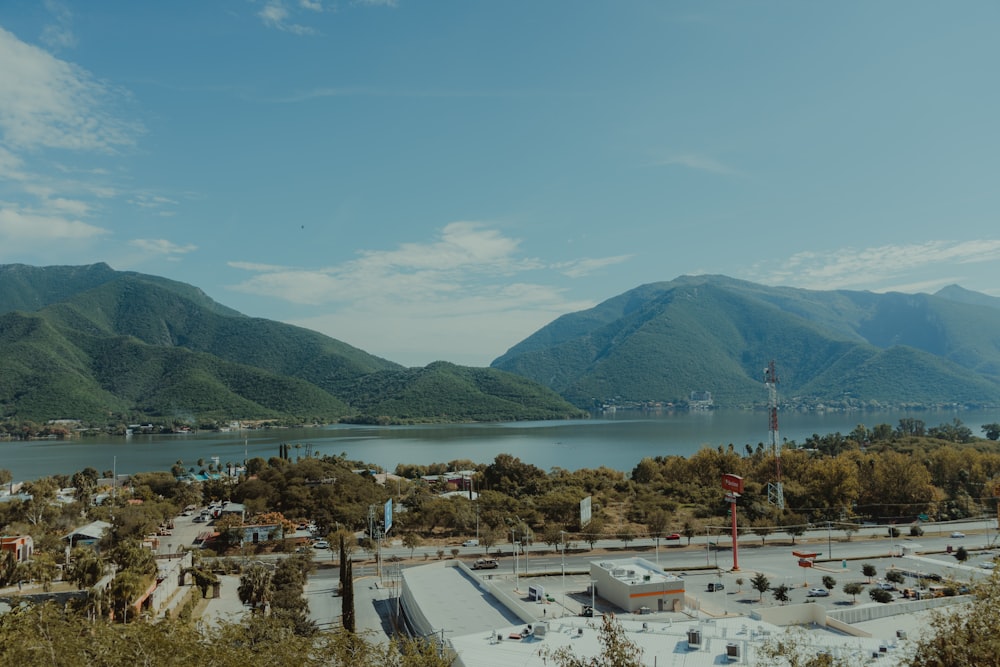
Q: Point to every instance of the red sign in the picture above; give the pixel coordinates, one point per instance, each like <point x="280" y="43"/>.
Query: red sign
<point x="732" y="483"/>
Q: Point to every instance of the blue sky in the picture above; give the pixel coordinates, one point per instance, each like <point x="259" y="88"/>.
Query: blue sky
<point x="438" y="179"/>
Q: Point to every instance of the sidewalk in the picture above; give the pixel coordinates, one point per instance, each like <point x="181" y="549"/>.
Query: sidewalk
<point x="226" y="608"/>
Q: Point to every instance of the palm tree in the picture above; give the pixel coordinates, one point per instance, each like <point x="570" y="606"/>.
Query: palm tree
<point x="126" y="586"/>
<point x="255" y="588"/>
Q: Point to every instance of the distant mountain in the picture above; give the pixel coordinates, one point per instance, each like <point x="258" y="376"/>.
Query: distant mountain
<point x="962" y="295"/>
<point x="88" y="342"/>
<point x="660" y="342"/>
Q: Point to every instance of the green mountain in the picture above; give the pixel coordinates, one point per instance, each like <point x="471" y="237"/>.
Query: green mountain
<point x="662" y="341"/>
<point x="97" y="344"/>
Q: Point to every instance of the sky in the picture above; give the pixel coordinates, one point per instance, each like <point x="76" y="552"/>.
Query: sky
<point x="437" y="180"/>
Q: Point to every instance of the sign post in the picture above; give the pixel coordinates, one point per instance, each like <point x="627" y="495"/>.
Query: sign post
<point x="733" y="486"/>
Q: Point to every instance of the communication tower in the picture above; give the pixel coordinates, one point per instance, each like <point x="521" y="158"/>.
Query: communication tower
<point x="775" y="491"/>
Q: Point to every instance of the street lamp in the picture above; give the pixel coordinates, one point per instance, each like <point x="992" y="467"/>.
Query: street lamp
<point x="562" y="540"/>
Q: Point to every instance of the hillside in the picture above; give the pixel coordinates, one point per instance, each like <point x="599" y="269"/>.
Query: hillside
<point x="659" y="342"/>
<point x="96" y="344"/>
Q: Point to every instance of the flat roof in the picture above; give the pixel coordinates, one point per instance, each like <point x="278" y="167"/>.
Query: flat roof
<point x="635" y="569"/>
<point x="665" y="644"/>
<point x="451" y="599"/>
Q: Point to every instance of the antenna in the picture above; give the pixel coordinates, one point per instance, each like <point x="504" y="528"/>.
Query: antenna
<point x="775" y="491"/>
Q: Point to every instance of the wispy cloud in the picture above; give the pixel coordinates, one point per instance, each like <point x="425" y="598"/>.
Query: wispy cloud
<point x="585" y="267"/>
<point x="59" y="35"/>
<point x="49" y="103"/>
<point x="277" y="14"/>
<point x="470" y="276"/>
<point x="162" y="247"/>
<point x="888" y="265"/>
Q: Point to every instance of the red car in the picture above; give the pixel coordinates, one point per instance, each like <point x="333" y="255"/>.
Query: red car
<point x="673" y="536"/>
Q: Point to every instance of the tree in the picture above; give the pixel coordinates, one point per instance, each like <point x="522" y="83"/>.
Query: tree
<point x="594" y="531"/>
<point x="869" y="571"/>
<point x="255" y="588"/>
<point x="85" y="568"/>
<point x="348" y="618"/>
<point x="961" y="555"/>
<point x="880" y="595"/>
<point x="411" y="541"/>
<point x="626" y="536"/>
<point x="761" y="584"/>
<point x="992" y="431"/>
<point x="895" y="577"/>
<point x="656" y="525"/>
<point x="780" y="593"/>
<point x="762" y="527"/>
<point x="124" y="589"/>
<point x="617" y="650"/>
<point x="688" y="531"/>
<point x="854" y="589"/>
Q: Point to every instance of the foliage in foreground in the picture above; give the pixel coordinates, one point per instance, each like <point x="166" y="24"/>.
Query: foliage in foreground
<point x="36" y="635"/>
<point x="617" y="650"/>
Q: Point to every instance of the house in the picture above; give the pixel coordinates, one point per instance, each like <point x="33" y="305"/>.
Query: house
<point x="21" y="546"/>
<point x="88" y="534"/>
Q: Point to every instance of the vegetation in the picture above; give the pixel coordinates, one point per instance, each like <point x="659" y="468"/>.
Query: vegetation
<point x="86" y="342"/>
<point x="657" y="342"/>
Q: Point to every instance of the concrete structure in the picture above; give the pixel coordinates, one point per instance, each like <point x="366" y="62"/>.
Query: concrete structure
<point x="635" y="584"/>
<point x="22" y="546"/>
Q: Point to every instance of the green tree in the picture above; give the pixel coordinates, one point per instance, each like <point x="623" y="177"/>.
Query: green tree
<point x="880" y="595"/>
<point x="656" y="525"/>
<point x="992" y="431"/>
<point x="854" y="588"/>
<point x="255" y="588"/>
<point x="829" y="583"/>
<point x="761" y="584"/>
<point x="594" y="531"/>
<point x="869" y="571"/>
<point x="411" y="541"/>
<point x="961" y="555"/>
<point x="780" y="593"/>
<point x="895" y="577"/>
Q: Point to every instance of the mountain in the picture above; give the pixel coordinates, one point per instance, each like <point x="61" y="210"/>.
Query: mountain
<point x="662" y="341"/>
<point x="87" y="342"/>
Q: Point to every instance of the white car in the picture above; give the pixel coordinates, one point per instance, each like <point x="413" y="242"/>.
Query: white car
<point x="818" y="593"/>
<point x="957" y="534"/>
<point x="321" y="544"/>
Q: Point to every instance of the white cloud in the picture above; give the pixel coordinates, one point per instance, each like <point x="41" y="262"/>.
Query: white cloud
<point x="867" y="267"/>
<point x="49" y="103"/>
<point x="461" y="293"/>
<point x="59" y="35"/>
<point x="584" y="267"/>
<point x="275" y="14"/>
<point x="21" y="227"/>
<point x="162" y="247"/>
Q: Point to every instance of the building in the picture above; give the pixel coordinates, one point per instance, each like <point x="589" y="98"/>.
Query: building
<point x="637" y="585"/>
<point x="22" y="546"/>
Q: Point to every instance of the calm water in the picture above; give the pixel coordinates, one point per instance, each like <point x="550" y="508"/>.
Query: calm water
<point x="617" y="441"/>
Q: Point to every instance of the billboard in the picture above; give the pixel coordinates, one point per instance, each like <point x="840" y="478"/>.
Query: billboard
<point x="387" y="518"/>
<point x="732" y="483"/>
<point x="585" y="511"/>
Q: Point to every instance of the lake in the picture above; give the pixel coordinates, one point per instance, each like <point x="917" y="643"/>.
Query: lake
<point x="618" y="441"/>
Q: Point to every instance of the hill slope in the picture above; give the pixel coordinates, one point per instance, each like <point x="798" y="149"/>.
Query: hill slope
<point x="659" y="342"/>
<point x="96" y="344"/>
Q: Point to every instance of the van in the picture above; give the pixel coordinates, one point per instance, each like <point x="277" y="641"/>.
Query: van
<point x="470" y="543"/>
<point x="486" y="564"/>
<point x="716" y="587"/>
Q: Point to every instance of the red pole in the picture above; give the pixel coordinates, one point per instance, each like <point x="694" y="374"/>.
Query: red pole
<point x="736" y="558"/>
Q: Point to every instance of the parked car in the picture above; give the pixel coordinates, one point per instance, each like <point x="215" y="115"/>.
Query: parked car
<point x="886" y="586"/>
<point x="321" y="544"/>
<point x="957" y="534"/>
<point x="818" y="593"/>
